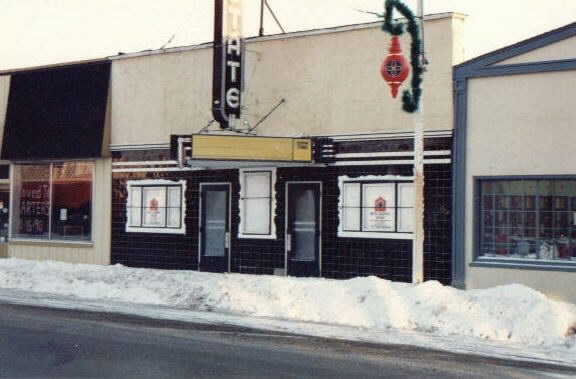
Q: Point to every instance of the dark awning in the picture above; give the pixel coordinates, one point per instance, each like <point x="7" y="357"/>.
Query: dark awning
<point x="57" y="113"/>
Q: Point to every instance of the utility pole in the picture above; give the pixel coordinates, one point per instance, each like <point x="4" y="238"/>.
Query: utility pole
<point x="263" y="4"/>
<point x="261" y="31"/>
<point x="418" y="243"/>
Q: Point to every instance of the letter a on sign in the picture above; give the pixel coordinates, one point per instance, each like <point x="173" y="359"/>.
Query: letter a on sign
<point x="227" y="61"/>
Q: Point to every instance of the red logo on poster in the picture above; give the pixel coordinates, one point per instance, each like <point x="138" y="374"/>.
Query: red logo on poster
<point x="380" y="204"/>
<point x="153" y="205"/>
<point x="395" y="68"/>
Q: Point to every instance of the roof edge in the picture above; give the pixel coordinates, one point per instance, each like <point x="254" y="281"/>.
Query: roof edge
<point x="518" y="48"/>
<point x="54" y="66"/>
<point x="208" y="44"/>
<point x="280" y="36"/>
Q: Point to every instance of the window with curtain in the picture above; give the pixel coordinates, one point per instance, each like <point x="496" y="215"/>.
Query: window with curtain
<point x="257" y="204"/>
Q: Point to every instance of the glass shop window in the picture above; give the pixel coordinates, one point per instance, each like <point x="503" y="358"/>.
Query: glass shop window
<point x="4" y="214"/>
<point x="257" y="204"/>
<point x="53" y="201"/>
<point x="376" y="209"/>
<point x="156" y="206"/>
<point x="527" y="219"/>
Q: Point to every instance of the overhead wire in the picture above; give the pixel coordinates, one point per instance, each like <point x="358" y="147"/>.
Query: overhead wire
<point x="274" y="16"/>
<point x="178" y="29"/>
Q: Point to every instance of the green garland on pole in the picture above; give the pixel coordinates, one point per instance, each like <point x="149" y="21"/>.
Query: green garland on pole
<point x="410" y="101"/>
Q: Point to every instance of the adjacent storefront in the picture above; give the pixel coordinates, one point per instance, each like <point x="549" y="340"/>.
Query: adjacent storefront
<point x="515" y="179"/>
<point x="54" y="139"/>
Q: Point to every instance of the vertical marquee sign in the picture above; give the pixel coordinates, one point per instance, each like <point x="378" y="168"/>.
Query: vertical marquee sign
<point x="227" y="63"/>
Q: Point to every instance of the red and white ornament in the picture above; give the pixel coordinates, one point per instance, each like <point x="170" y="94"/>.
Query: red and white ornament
<point x="395" y="69"/>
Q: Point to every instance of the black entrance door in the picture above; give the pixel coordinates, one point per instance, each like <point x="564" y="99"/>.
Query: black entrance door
<point x="303" y="229"/>
<point x="214" y="227"/>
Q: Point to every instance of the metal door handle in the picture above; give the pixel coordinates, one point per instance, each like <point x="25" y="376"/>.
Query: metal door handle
<point x="227" y="240"/>
<point x="288" y="242"/>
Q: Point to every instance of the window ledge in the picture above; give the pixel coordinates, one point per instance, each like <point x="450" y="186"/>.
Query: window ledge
<point x="567" y="266"/>
<point x="257" y="236"/>
<point x="132" y="229"/>
<point x="395" y="236"/>
<point x="55" y="243"/>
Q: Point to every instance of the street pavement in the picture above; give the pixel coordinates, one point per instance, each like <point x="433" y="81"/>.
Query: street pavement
<point x="37" y="342"/>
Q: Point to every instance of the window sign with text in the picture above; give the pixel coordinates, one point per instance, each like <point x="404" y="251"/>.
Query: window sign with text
<point x="154" y="207"/>
<point x="53" y="201"/>
<point x="34" y="208"/>
<point x="379" y="207"/>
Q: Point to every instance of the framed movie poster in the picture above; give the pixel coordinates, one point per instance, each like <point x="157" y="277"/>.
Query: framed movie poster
<point x="154" y="214"/>
<point x="379" y="203"/>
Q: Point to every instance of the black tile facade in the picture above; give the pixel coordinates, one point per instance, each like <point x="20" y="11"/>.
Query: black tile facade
<point x="141" y="155"/>
<point x="5" y="171"/>
<point x="394" y="145"/>
<point x="341" y="257"/>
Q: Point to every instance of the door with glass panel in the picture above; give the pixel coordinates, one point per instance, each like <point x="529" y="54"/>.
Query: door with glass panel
<point x="303" y="229"/>
<point x="214" y="227"/>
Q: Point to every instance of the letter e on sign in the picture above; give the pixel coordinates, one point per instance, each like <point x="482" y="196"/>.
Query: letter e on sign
<point x="233" y="97"/>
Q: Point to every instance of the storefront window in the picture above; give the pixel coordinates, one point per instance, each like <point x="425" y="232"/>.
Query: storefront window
<point x="53" y="201"/>
<point x="527" y="219"/>
<point x="4" y="214"/>
<point x="376" y="209"/>
<point x="156" y="206"/>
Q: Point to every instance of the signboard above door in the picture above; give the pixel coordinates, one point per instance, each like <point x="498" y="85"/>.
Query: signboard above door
<point x="212" y="151"/>
<point x="251" y="148"/>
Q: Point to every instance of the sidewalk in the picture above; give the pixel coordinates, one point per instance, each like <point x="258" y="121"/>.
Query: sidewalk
<point x="361" y="309"/>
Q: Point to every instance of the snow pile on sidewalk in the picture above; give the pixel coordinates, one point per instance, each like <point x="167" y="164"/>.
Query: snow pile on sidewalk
<point x="511" y="313"/>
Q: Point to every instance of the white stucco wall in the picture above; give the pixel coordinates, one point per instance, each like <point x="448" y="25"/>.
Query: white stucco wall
<point x="520" y="125"/>
<point x="557" y="285"/>
<point x="330" y="80"/>
<point x="565" y="49"/>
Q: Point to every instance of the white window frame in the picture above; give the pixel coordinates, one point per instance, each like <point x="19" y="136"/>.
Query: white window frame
<point x="241" y="204"/>
<point x="398" y="181"/>
<point x="150" y="183"/>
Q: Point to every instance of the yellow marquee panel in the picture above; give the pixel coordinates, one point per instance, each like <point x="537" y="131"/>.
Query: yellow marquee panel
<point x="251" y="148"/>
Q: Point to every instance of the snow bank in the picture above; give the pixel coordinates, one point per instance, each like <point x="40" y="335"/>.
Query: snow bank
<point x="511" y="313"/>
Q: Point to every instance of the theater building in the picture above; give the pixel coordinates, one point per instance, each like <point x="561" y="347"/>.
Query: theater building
<point x="515" y="177"/>
<point x="55" y="176"/>
<point x="316" y="179"/>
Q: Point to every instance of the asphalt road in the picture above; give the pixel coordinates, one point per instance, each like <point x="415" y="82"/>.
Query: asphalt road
<point x="48" y="343"/>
